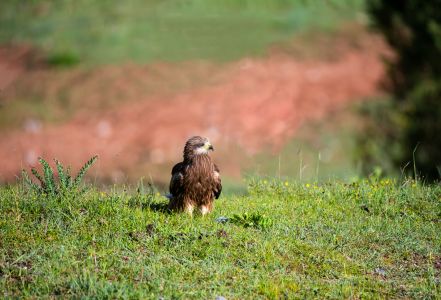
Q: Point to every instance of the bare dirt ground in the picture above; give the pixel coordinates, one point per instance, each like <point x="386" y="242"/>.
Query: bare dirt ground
<point x="137" y="117"/>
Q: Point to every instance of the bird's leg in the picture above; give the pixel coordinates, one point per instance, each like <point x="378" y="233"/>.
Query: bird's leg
<point x="189" y="209"/>
<point x="204" y="209"/>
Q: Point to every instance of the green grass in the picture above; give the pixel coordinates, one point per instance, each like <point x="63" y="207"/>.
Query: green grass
<point x="114" y="31"/>
<point x="369" y="239"/>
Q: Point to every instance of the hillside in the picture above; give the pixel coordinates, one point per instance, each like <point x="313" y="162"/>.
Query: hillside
<point x="137" y="117"/>
<point x="132" y="81"/>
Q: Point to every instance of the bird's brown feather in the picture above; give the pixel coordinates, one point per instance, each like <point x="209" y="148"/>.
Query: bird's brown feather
<point x="195" y="182"/>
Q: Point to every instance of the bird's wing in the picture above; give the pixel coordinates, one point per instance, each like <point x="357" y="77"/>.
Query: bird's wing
<point x="177" y="179"/>
<point x="217" y="182"/>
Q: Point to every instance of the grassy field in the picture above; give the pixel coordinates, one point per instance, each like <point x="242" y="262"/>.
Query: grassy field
<point x="136" y="30"/>
<point x="374" y="238"/>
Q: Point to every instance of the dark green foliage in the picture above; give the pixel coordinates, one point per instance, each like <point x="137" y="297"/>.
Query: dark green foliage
<point x="256" y="220"/>
<point x="63" y="59"/>
<point x="48" y="183"/>
<point x="413" y="30"/>
<point x="83" y="171"/>
<point x="29" y="182"/>
<point x="378" y="142"/>
<point x="49" y="186"/>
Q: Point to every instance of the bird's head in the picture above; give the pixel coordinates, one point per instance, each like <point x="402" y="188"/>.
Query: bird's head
<point x="197" y="146"/>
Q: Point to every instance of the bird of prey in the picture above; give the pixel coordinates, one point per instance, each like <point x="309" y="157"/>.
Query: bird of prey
<point x="195" y="181"/>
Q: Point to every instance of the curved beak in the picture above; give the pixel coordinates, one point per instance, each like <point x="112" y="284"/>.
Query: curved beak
<point x="210" y="147"/>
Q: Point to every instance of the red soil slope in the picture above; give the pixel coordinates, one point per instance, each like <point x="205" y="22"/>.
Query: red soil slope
<point x="249" y="104"/>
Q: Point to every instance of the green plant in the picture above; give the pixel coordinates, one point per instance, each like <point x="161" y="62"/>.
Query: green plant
<point x="145" y="195"/>
<point x="63" y="59"/>
<point x="48" y="185"/>
<point x="256" y="220"/>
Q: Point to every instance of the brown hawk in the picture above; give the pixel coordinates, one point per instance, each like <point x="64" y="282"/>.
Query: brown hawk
<point x="195" y="181"/>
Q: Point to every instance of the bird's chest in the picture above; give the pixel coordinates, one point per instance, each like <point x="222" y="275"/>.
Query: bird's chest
<point x="199" y="179"/>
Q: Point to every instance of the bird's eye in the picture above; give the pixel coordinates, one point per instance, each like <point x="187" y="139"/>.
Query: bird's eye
<point x="201" y="145"/>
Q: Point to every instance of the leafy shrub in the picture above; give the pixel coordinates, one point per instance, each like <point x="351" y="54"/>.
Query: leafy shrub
<point x="47" y="183"/>
<point x="63" y="59"/>
<point x="256" y="220"/>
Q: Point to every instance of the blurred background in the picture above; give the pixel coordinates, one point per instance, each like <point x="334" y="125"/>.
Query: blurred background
<point x="310" y="90"/>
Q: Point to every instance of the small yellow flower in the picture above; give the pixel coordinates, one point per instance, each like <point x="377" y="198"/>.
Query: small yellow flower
<point x="307" y="185"/>
<point x="286" y="183"/>
<point x="265" y="182"/>
<point x="158" y="194"/>
<point x="414" y="185"/>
